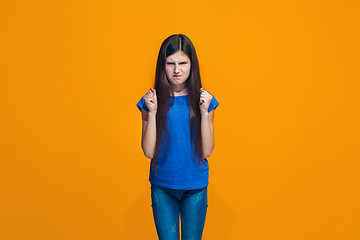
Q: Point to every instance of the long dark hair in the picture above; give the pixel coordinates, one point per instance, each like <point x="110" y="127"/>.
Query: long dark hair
<point x="165" y="95"/>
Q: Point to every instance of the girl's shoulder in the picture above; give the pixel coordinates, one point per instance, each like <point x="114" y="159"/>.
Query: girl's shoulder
<point x="213" y="104"/>
<point x="142" y="105"/>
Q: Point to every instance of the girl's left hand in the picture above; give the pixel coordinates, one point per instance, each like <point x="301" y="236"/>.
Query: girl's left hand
<point x="205" y="99"/>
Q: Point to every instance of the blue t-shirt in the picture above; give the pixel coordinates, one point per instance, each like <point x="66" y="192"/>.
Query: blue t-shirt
<point x="179" y="168"/>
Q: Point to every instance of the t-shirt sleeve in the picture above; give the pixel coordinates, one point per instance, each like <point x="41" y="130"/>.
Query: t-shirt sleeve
<point x="213" y="104"/>
<point x="141" y="104"/>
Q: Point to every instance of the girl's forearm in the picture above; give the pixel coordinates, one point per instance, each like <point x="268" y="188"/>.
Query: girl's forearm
<point x="207" y="134"/>
<point x="149" y="139"/>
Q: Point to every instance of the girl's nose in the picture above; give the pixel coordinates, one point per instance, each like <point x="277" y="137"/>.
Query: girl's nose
<point x="177" y="69"/>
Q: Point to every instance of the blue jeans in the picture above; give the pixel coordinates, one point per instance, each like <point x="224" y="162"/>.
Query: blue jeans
<point x="167" y="204"/>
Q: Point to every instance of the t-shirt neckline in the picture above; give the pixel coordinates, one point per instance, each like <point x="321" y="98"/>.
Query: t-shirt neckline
<point x="182" y="95"/>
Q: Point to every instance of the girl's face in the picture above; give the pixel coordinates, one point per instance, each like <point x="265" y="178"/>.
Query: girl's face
<point x="178" y="67"/>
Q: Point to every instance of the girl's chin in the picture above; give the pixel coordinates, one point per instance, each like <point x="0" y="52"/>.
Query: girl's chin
<point x="177" y="82"/>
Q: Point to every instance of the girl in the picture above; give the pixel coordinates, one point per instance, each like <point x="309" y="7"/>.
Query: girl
<point x="178" y="137"/>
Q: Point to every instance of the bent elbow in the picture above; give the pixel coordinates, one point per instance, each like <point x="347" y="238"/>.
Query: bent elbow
<point x="151" y="156"/>
<point x="206" y="155"/>
<point x="148" y="154"/>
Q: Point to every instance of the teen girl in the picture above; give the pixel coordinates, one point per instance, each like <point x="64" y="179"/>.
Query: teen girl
<point x="178" y="135"/>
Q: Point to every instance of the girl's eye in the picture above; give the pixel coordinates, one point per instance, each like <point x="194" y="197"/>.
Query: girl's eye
<point x="182" y="63"/>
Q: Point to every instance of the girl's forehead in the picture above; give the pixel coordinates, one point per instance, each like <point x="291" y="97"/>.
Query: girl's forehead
<point x="178" y="56"/>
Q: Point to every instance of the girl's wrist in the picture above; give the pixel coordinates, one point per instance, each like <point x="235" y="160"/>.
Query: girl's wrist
<point x="152" y="113"/>
<point x="204" y="113"/>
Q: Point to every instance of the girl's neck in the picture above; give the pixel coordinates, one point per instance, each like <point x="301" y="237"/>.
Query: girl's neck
<point x="181" y="92"/>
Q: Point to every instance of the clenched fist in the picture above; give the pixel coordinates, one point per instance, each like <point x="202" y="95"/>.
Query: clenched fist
<point x="151" y="100"/>
<point x="205" y="99"/>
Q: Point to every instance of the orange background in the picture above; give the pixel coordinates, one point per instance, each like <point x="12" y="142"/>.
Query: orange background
<point x="286" y="157"/>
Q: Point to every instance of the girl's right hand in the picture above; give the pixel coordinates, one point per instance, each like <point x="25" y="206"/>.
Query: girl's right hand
<point x="151" y="100"/>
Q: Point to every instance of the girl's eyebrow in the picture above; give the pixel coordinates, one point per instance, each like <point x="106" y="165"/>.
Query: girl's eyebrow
<point x="168" y="61"/>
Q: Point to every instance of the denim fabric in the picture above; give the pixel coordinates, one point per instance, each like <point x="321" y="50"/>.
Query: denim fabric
<point x="167" y="204"/>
